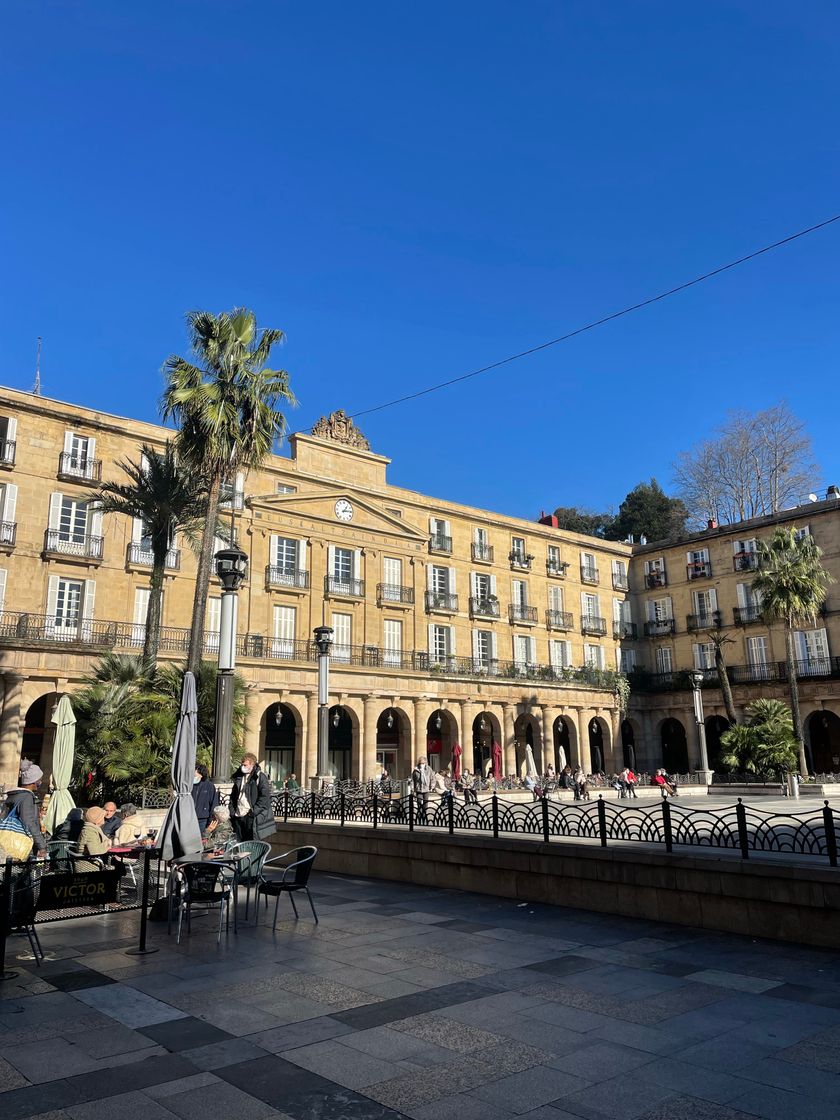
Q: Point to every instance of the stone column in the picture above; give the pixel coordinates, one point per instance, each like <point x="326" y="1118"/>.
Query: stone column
<point x="585" y="759"/>
<point x="508" y="749"/>
<point x="548" y="717"/>
<point x="253" y="696"/>
<point x="310" y="743"/>
<point x="422" y="711"/>
<point x="468" y="714"/>
<point x="369" y="738"/>
<point x="404" y="760"/>
<point x="11" y="729"/>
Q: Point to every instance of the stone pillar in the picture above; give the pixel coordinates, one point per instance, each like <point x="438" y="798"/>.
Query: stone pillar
<point x="405" y="762"/>
<point x="310" y="742"/>
<point x="468" y="714"/>
<point x="11" y="728"/>
<point x="253" y="712"/>
<point x="368" y="751"/>
<point x="585" y="759"/>
<point x="422" y="711"/>
<point x="508" y="749"/>
<point x="548" y="717"/>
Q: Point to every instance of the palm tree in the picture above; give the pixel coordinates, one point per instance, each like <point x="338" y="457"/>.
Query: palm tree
<point x="765" y="744"/>
<point x="226" y="411"/>
<point x="166" y="497"/>
<point x="792" y="585"/>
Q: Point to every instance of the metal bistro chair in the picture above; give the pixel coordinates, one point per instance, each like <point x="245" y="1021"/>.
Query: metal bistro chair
<point x="205" y="884"/>
<point x="58" y="852"/>
<point x="295" y="877"/>
<point x="250" y="857"/>
<point x="23" y="903"/>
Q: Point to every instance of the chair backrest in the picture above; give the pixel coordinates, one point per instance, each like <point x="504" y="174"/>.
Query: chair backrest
<point x="203" y="879"/>
<point x="23" y="898"/>
<point x="257" y="851"/>
<point x="303" y="860"/>
<point x="58" y="852"/>
<point x="76" y="857"/>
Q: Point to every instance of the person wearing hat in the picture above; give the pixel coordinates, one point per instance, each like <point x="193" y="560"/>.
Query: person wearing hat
<point x="23" y="798"/>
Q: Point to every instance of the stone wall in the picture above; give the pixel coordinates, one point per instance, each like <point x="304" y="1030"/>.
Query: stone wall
<point x="787" y="902"/>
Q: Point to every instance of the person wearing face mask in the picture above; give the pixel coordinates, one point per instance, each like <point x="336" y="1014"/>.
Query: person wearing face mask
<point x="23" y="798"/>
<point x="205" y="795"/>
<point x="250" y="802"/>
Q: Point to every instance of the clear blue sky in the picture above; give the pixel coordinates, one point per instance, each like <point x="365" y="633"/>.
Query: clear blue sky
<point x="412" y="190"/>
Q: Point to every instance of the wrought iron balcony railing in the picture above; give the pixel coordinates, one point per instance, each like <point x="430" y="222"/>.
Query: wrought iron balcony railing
<point x="231" y="498"/>
<point x="440" y="544"/>
<point x="344" y="588"/>
<point x="592" y="624"/>
<point x="8" y="534"/>
<point x="482" y="552"/>
<point x="75" y="467"/>
<point x="624" y="631"/>
<point x="588" y="574"/>
<point x="8" y="447"/>
<point x="394" y="593"/>
<point x="441" y="602"/>
<point x="286" y="577"/>
<point x="746" y="615"/>
<point x="660" y="627"/>
<point x="64" y="544"/>
<point x="559" y="620"/>
<point x="521" y="561"/>
<point x="484" y="607"/>
<point x="774" y="671"/>
<point x="556" y="568"/>
<point x="138" y="553"/>
<point x="620" y="582"/>
<point x="520" y="612"/>
<point x="700" y="569"/>
<point x="656" y="579"/>
<point x="23" y="626"/>
<point x="713" y="620"/>
<point x="745" y="561"/>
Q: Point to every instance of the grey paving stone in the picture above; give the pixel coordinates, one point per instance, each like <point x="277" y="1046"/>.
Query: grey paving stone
<point x="388" y="1011"/>
<point x="36" y="1100"/>
<point x="10" y="1077"/>
<point x="127" y="1106"/>
<point x="780" y="1104"/>
<point x="573" y="1018"/>
<point x="620" y="1098"/>
<point x="821" y="1051"/>
<point x="180" y="1085"/>
<point x="184" y="1034"/>
<point x="346" y="1066"/>
<point x="599" y="1061"/>
<point x="692" y="1108"/>
<point x="218" y="1100"/>
<point x="461" y="1106"/>
<point x="728" y="1053"/>
<point x="216" y="1055"/>
<point x="736" y="980"/>
<point x="390" y="1044"/>
<point x="110" y="1082"/>
<point x="61" y="1058"/>
<point x="525" y="1091"/>
<point x="115" y="1039"/>
<point x="696" y="1081"/>
<point x="279" y="1039"/>
<point x="655" y="1040"/>
<point x="127" y="1005"/>
<point x="795" y="1078"/>
<point x="440" y="1030"/>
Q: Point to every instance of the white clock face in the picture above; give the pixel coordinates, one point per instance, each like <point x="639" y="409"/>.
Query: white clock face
<point x="343" y="510"/>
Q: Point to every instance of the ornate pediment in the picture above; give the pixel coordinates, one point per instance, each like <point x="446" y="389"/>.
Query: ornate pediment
<point x="339" y="428"/>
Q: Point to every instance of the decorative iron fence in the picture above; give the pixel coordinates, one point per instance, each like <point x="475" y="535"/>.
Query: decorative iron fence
<point x="736" y="827"/>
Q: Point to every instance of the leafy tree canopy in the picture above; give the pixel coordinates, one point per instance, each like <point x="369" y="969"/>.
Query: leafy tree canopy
<point x="647" y="510"/>
<point x="765" y="744"/>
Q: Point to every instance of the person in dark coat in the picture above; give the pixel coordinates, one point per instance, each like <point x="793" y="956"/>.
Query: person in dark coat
<point x="71" y="826"/>
<point x="23" y="796"/>
<point x="205" y="795"/>
<point x="250" y="802"/>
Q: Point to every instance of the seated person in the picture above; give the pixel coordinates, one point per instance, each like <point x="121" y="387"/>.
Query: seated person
<point x="70" y="827"/>
<point x="92" y="840"/>
<point x="292" y="784"/>
<point x="218" y="832"/>
<point x="112" y="819"/>
<point x="131" y="823"/>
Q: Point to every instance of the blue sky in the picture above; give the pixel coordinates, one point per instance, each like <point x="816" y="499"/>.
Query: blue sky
<point x="413" y="190"/>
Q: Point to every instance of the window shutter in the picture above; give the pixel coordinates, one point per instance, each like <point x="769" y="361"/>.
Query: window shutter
<point x="11" y="430"/>
<point x="475" y="650"/>
<point x="429" y="577"/>
<point x="432" y="526"/>
<point x="10" y="503"/>
<point x="473" y="590"/>
<point x="447" y="530"/>
<point x="240" y="482"/>
<point x="52" y="597"/>
<point x="95" y="520"/>
<point x="712" y="599"/>
<point x="494" y="653"/>
<point x="617" y="609"/>
<point x="136" y="529"/>
<point x="357" y="563"/>
<point x="450" y="580"/>
<point x="450" y="640"/>
<point x="90" y="596"/>
<point x="68" y="442"/>
<point x="330" y="560"/>
<point x="55" y="510"/>
<point x="272" y="549"/>
<point x="431" y="639"/>
<point x="3" y="574"/>
<point x="492" y="585"/>
<point x="91" y="453"/>
<point x="141" y="604"/>
<point x="301" y="555"/>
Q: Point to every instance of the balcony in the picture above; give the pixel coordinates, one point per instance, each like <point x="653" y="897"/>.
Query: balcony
<point x="711" y="621"/>
<point x="440" y="544"/>
<point x="656" y="579"/>
<point x="394" y="595"/>
<point x="231" y="498"/>
<point x="745" y="561"/>
<point x="660" y="627"/>
<point x="588" y="574"/>
<point x="482" y="553"/>
<point x="620" y="582"/>
<point x="700" y="569"/>
<point x="484" y="608"/>
<point x="295" y="579"/>
<point x="23" y="627"/>
<point x="8" y="447"/>
<point x="78" y="468"/>
<point x="591" y="624"/>
<point x="624" y="631"/>
<point x="556" y="568"/>
<point x="57" y="542"/>
<point x="521" y="561"/>
<point x="744" y="616"/>
<point x="559" y="620"/>
<point x="441" y="602"/>
<point x="137" y="553"/>
<point x="520" y="612"/>
<point x="339" y="588"/>
<point x="8" y="535"/>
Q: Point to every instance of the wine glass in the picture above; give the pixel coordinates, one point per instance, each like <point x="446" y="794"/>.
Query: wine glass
<point x="137" y="834"/>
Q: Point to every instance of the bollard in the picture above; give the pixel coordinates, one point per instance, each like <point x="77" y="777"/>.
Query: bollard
<point x="830" y="834"/>
<point x="743" y="838"/>
<point x="411" y="812"/>
<point x="495" y="809"/>
<point x="602" y="820"/>
<point x="5" y="911"/>
<point x="142" y="949"/>
<point x="666" y="825"/>
<point x="546" y="833"/>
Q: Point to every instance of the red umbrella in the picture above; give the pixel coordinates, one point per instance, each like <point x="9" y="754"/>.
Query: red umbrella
<point x="456" y="761"/>
<point x="496" y="755"/>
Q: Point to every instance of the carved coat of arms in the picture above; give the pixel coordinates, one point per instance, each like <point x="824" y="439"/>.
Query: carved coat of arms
<point x="340" y="428"/>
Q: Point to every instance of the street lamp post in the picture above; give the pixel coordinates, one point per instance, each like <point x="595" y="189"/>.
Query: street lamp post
<point x="231" y="568"/>
<point x="696" y="683"/>
<point x="323" y="643"/>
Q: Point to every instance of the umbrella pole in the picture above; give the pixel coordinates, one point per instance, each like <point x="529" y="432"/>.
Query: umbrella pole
<point x="142" y="949"/>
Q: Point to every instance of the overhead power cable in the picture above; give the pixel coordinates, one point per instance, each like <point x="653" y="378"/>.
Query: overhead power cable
<point x="599" y="322"/>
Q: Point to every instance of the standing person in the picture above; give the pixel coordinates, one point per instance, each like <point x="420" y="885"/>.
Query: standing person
<point x="630" y="781"/>
<point x="250" y="802"/>
<point x="23" y="798"/>
<point x="581" y="787"/>
<point x="113" y="820"/>
<point x="204" y="794"/>
<point x="422" y="783"/>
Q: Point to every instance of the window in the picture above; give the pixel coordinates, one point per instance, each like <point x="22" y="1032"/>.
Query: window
<point x="812" y="652"/>
<point x="441" y="644"/>
<point x="555" y="598"/>
<point x="560" y="654"/>
<point x="625" y="660"/>
<point x="524" y="650"/>
<point x="519" y="592"/>
<point x="517" y="550"/>
<point x="68" y="604"/>
<point x="285" y="488"/>
<point x="588" y="567"/>
<point x="481" y="586"/>
<point x="392" y="571"/>
<point x="697" y="563"/>
<point x="439" y="580"/>
<point x="758" y="652"/>
<point x="342" y="625"/>
<point x="8" y="440"/>
<point x="392" y="642"/>
<point x="593" y="655"/>
<point x="78" y="457"/>
<point x="800" y="534"/>
<point x="233" y="492"/>
<point x="72" y="521"/>
<point x="141" y="606"/>
<point x="705" y="606"/>
<point x="342" y="568"/>
<point x="664" y="663"/>
<point x="746" y="554"/>
<point x="285" y="629"/>
<point x="554" y="562"/>
<point x="619" y="575"/>
<point x="484" y="648"/>
<point x="590" y="606"/>
<point x="655" y="572"/>
<point x="749" y="603"/>
<point x="395" y="512"/>
<point x="704" y="655"/>
<point x="748" y="545"/>
<point x="660" y="610"/>
<point x="70" y="608"/>
<point x="8" y="508"/>
<point x="285" y="555"/>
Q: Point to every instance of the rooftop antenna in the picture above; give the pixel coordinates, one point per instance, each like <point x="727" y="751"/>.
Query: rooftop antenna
<point x="36" y="389"/>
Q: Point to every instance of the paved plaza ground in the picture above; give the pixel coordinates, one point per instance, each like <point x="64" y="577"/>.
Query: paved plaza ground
<point x="419" y="1003"/>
